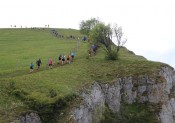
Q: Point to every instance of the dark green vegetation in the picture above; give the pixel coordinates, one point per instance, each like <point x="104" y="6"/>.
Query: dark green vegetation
<point x="133" y="113"/>
<point x="50" y="91"/>
<point x="87" y="26"/>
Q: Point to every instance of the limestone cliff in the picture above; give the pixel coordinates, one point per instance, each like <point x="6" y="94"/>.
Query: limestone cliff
<point x="144" y="88"/>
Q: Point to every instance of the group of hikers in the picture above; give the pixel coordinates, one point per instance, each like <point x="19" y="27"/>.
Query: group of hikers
<point x="62" y="59"/>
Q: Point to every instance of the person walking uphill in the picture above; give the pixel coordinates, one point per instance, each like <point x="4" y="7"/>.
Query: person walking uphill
<point x="31" y="67"/>
<point x="59" y="59"/>
<point x="50" y="63"/>
<point x="68" y="59"/>
<point x="72" y="55"/>
<point x="38" y="63"/>
<point x="63" y="59"/>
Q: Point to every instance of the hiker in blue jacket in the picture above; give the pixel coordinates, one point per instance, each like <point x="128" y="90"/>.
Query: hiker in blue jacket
<point x="31" y="67"/>
<point x="72" y="55"/>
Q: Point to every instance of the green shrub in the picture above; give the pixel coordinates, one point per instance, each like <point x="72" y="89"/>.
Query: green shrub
<point x="112" y="55"/>
<point x="52" y="93"/>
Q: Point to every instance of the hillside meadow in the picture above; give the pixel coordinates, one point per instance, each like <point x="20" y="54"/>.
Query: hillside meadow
<point x="52" y="91"/>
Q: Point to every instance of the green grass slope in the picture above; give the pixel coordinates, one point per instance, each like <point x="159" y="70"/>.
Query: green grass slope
<point x="50" y="91"/>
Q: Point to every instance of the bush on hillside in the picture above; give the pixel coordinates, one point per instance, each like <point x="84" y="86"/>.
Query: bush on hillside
<point x="112" y="55"/>
<point x="52" y="93"/>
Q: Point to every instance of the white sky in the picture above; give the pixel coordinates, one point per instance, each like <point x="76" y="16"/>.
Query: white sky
<point x="149" y="25"/>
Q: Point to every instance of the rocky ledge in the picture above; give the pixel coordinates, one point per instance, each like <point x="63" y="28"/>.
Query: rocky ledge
<point x="128" y="90"/>
<point x="29" y="117"/>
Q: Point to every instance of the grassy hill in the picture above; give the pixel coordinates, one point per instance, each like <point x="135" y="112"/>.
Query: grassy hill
<point x="50" y="91"/>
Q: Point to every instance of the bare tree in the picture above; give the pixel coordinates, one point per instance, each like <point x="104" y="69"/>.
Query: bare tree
<point x="120" y="39"/>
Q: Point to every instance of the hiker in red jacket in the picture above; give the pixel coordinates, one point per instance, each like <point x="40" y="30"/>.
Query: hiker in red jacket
<point x="50" y="63"/>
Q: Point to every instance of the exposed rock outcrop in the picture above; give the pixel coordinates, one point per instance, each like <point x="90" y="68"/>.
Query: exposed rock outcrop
<point x="92" y="105"/>
<point x="167" y="114"/>
<point x="128" y="90"/>
<point x="31" y="117"/>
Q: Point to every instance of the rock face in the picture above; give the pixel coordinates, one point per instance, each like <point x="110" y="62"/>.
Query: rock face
<point x="167" y="114"/>
<point x="112" y="95"/>
<point x="92" y="108"/>
<point x="31" y="117"/>
<point x="128" y="90"/>
<point x="92" y="105"/>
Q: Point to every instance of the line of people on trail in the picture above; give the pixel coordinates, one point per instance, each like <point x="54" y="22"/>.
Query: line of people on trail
<point x="62" y="59"/>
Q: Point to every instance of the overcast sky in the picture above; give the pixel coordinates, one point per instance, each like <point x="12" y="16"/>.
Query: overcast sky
<point x="149" y="25"/>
